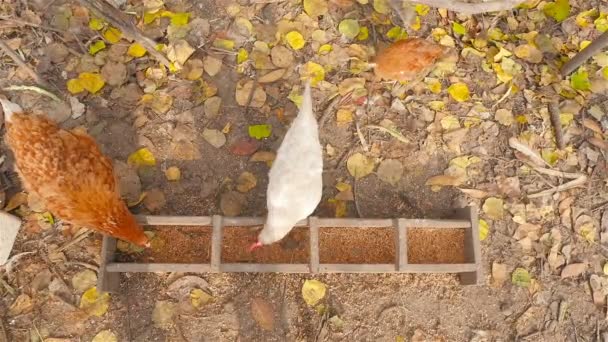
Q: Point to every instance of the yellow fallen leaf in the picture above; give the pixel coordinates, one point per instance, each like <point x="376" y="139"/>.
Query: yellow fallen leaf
<point x="325" y="49"/>
<point x="459" y="91"/>
<point x="313" y="72"/>
<point x="112" y="35"/>
<point x="74" y="86"/>
<point x="173" y="173"/>
<point x="397" y="33"/>
<point x="179" y="51"/>
<point x="91" y="82"/>
<point x="381" y="6"/>
<point x="96" y="47"/>
<point x="450" y="123"/>
<point x="349" y="28"/>
<point x="315" y="8"/>
<point x="160" y="102"/>
<point x="341" y="186"/>
<point x="141" y="157"/>
<point x="94" y="303"/>
<point x="434" y="85"/>
<point x="493" y="207"/>
<point x="136" y="50"/>
<point x="422" y="9"/>
<point x="96" y="24"/>
<point x="363" y="33"/>
<point x="313" y="291"/>
<point x="417" y="24"/>
<point x="295" y="40"/>
<point x="484" y="229"/>
<point x="359" y="165"/>
<point x="180" y="18"/>
<point x="344" y="116"/>
<point x="104" y="336"/>
<point x="199" y="298"/>
<point x="225" y="44"/>
<point x="242" y="56"/>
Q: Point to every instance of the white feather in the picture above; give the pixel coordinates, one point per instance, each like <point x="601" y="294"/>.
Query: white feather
<point x="295" y="182"/>
<point x="9" y="108"/>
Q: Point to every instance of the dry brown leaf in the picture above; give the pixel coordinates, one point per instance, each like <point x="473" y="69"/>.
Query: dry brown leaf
<point x="272" y="76"/>
<point x="246" y="182"/>
<point x="212" y="65"/>
<point x="243" y="90"/>
<point x="263" y="313"/>
<point x="443" y="180"/>
<point x="573" y="270"/>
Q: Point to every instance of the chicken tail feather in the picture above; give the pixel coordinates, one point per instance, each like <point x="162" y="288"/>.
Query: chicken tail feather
<point x="9" y="108"/>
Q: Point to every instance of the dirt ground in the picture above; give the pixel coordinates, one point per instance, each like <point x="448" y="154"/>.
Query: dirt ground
<point x="543" y="257"/>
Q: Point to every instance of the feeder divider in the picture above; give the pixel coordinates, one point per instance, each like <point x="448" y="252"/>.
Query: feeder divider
<point x="313" y="224"/>
<point x="123" y="267"/>
<point x="266" y="268"/>
<point x="401" y="244"/>
<point x="108" y="281"/>
<point x="149" y="220"/>
<point x="439" y="268"/>
<point x="472" y="247"/>
<point x="357" y="268"/>
<point x="349" y="222"/>
<point x="216" y="243"/>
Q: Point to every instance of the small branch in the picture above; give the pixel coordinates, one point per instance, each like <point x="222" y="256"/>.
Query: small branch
<point x="116" y="18"/>
<point x="34" y="89"/>
<point x="556" y="173"/>
<point x="20" y="62"/>
<point x="471" y="8"/>
<point x="557" y="125"/>
<point x="572" y="184"/>
<point x="596" y="46"/>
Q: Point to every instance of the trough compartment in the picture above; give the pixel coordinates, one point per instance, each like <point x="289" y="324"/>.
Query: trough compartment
<point x="316" y="245"/>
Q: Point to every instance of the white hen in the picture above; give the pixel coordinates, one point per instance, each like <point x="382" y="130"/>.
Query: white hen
<point x="295" y="181"/>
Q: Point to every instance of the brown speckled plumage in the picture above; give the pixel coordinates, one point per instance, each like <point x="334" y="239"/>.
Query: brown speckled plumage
<point x="408" y="59"/>
<point x="69" y="172"/>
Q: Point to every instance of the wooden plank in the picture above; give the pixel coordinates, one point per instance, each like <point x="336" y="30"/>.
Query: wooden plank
<point x="314" y="244"/>
<point x="401" y="244"/>
<point x="357" y="268"/>
<point x="151" y="220"/>
<point x="253" y="221"/>
<point x="354" y="223"/>
<point x="216" y="243"/>
<point x="266" y="268"/>
<point x="428" y="223"/>
<point x="439" y="268"/>
<point x="120" y="267"/>
<point x="390" y="268"/>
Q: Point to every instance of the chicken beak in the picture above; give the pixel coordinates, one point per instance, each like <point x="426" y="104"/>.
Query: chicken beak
<point x="255" y="246"/>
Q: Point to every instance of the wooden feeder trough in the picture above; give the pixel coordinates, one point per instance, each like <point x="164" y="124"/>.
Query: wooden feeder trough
<point x="215" y="244"/>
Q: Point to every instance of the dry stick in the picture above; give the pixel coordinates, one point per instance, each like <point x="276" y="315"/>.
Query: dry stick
<point x="596" y="46"/>
<point x="556" y="173"/>
<point x="3" y="336"/>
<point x="117" y="18"/>
<point x="572" y="184"/>
<point x="20" y="62"/>
<point x="250" y="98"/>
<point x="471" y="8"/>
<point x="557" y="125"/>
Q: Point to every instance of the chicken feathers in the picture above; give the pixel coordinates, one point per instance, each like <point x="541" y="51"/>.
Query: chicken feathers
<point x="295" y="179"/>
<point x="68" y="171"/>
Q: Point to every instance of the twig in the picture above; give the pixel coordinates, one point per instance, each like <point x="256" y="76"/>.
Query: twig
<point x="357" y="208"/>
<point x="471" y="8"/>
<point x="361" y="137"/>
<point x="395" y="134"/>
<point x="527" y="151"/>
<point x="8" y="266"/>
<point x="328" y="110"/>
<point x="116" y="18"/>
<point x="596" y="46"/>
<point x="20" y="62"/>
<point x="557" y="125"/>
<point x="34" y="89"/>
<point x="504" y="97"/>
<point x="556" y="173"/>
<point x="572" y="184"/>
<point x="250" y="98"/>
<point x="3" y="336"/>
<point x="74" y="241"/>
<point x="27" y="23"/>
<point x="83" y="264"/>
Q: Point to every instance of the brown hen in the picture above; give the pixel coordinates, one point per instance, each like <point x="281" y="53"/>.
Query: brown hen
<point x="408" y="59"/>
<point x="68" y="171"/>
